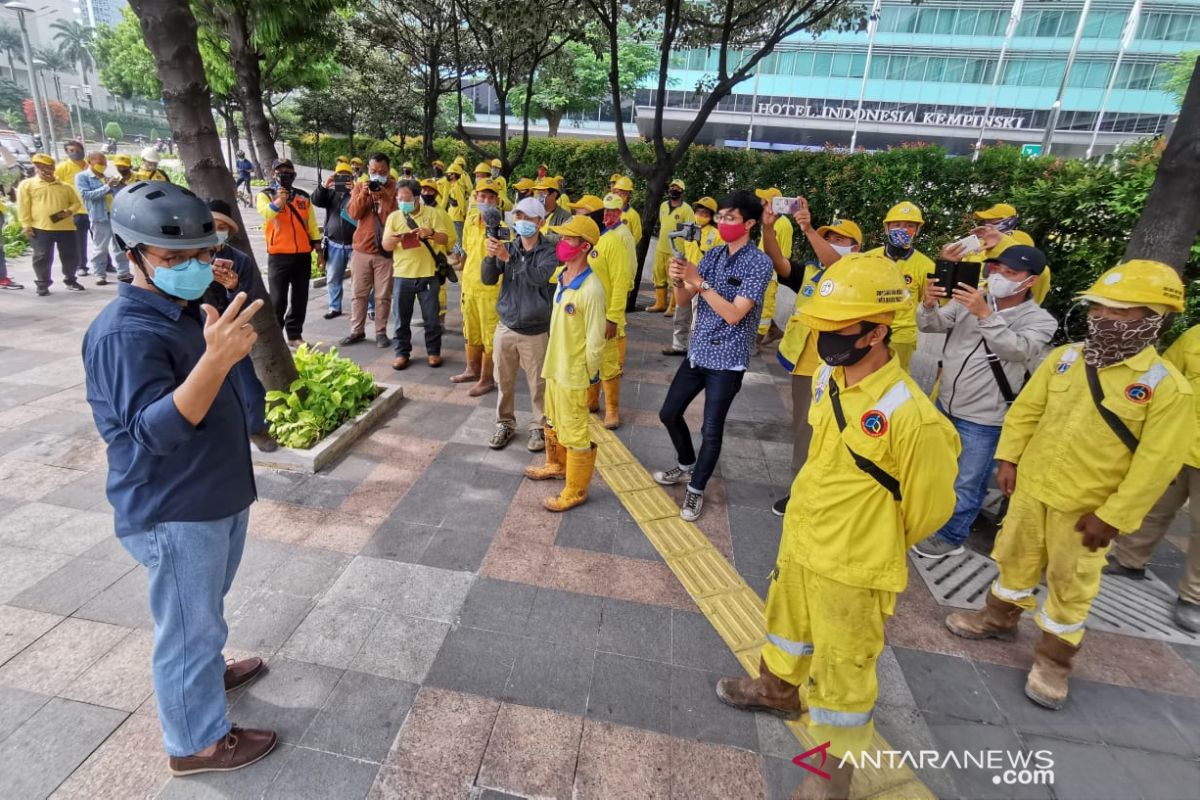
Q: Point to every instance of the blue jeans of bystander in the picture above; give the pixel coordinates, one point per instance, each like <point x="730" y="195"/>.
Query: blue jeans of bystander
<point x="975" y="463"/>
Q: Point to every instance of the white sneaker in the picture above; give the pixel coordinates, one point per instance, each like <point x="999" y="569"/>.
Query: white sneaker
<point x="674" y="475"/>
<point x="693" y="504"/>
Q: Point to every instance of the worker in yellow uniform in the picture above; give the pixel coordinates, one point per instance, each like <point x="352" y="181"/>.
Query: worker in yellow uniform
<point x="901" y="227"/>
<point x="478" y="299"/>
<point x="150" y="170"/>
<point x="290" y="228"/>
<point x="548" y="191"/>
<point x="454" y="200"/>
<point x="879" y="478"/>
<point x="1004" y="218"/>
<point x="1091" y="442"/>
<point x="703" y="211"/>
<point x="490" y="171"/>
<point x="572" y="363"/>
<point x="357" y="169"/>
<point x="523" y="188"/>
<point x="798" y="349"/>
<point x="768" y="331"/>
<point x="66" y="171"/>
<point x="1131" y="553"/>
<point x="673" y="212"/>
<point x="45" y="210"/>
<point x="622" y="186"/>
<point x="431" y="198"/>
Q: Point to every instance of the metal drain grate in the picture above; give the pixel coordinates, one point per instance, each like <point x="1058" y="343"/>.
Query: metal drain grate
<point x="1124" y="606"/>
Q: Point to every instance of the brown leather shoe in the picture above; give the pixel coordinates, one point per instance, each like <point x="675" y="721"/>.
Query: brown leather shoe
<point x="239" y="673"/>
<point x="764" y="693"/>
<point x="435" y="361"/>
<point x="399" y="363"/>
<point x="241" y="747"/>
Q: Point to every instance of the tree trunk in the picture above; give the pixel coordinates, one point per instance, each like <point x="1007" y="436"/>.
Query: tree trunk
<point x="1167" y="228"/>
<point x="429" y="122"/>
<point x="248" y="75"/>
<point x="12" y="70"/>
<point x="169" y="29"/>
<point x="553" y="118"/>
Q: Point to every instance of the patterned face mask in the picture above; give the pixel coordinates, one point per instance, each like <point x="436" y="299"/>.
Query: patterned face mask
<point x="1112" y="340"/>
<point x="1007" y="224"/>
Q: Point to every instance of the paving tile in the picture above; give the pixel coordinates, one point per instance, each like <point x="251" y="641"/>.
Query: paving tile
<point x="312" y="774"/>
<point x="243" y="783"/>
<point x="532" y="753"/>
<point x="24" y="568"/>
<point x="48" y="747"/>
<point x="266" y="620"/>
<point x="51" y="663"/>
<point x="904" y="728"/>
<point x="497" y="605"/>
<point x="399" y="540"/>
<point x="695" y="644"/>
<point x="307" y="572"/>
<point x="476" y="661"/>
<point x="756" y="534"/>
<point x="402" y="648"/>
<point x="555" y="675"/>
<point x="320" y="491"/>
<point x="16" y="706"/>
<point x="20" y="627"/>
<point x="1007" y="686"/>
<point x="72" y="585"/>
<point x="696" y="713"/>
<point x="361" y="717"/>
<point x="130" y="763"/>
<point x="456" y="550"/>
<point x="1144" y="717"/>
<point x="109" y="549"/>
<point x="76" y="535"/>
<point x="701" y="770"/>
<point x="121" y="678"/>
<point x="630" y="691"/>
<point x="331" y="634"/>
<point x="286" y="699"/>
<point x="631" y="542"/>
<point x="410" y="589"/>
<point x="564" y="617"/>
<point x="948" y="685"/>
<point x="585" y="533"/>
<point x="1088" y="771"/>
<point x="618" y="761"/>
<point x="26" y="525"/>
<point x="951" y="733"/>
<point x="125" y="602"/>
<point x="1161" y="776"/>
<point x="635" y="629"/>
<point x="88" y="493"/>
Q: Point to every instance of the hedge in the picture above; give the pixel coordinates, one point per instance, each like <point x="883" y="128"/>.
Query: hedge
<point x="1079" y="212"/>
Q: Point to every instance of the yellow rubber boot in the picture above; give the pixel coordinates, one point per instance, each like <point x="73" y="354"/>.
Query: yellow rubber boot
<point x="556" y="460"/>
<point x="487" y="381"/>
<point x="670" y="310"/>
<point x="594" y="397"/>
<point x="580" y="464"/>
<point x="660" y="299"/>
<point x="612" y="403"/>
<point x="471" y="371"/>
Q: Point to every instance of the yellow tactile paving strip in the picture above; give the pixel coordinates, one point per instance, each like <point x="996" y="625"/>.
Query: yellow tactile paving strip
<point x="731" y="606"/>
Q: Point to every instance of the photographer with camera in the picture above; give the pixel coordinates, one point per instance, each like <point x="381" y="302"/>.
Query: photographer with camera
<point x="372" y="201"/>
<point x="768" y="331"/>
<point x="673" y="212"/>
<point x="338" y="243"/>
<point x="994" y="341"/>
<point x="290" y="227"/>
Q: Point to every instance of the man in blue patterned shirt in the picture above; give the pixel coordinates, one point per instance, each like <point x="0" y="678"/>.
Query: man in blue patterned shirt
<point x="730" y="281"/>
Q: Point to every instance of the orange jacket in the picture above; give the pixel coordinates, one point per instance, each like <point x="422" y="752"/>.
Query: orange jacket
<point x="292" y="229"/>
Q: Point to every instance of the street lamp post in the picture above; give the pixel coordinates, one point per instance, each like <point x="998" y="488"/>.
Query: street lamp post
<point x="79" y="107"/>
<point x="21" y="9"/>
<point x="1056" y="107"/>
<point x="52" y="147"/>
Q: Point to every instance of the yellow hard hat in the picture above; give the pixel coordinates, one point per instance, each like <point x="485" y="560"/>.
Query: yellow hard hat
<point x="858" y="287"/>
<point x="1140" y="282"/>
<point x="766" y="194"/>
<point x="497" y="163"/>
<point x="589" y="203"/>
<point x="998" y="211"/>
<point x="677" y="182"/>
<point x="580" y="225"/>
<point x="342" y="160"/>
<point x="614" y="177"/>
<point x="906" y="211"/>
<point x="122" y="161"/>
<point x="483" y="168"/>
<point x="548" y="183"/>
<point x="438" y="164"/>
<point x="406" y="165"/>
<point x="706" y="202"/>
<point x="613" y="202"/>
<point x="356" y="161"/>
<point x="1021" y="237"/>
<point x="42" y="158"/>
<point x="524" y="185"/>
<point x="455" y="169"/>
<point x="429" y="183"/>
<point x="487" y="185"/>
<point x="460" y="159"/>
<point x="844" y="227"/>
<point x="622" y="182"/>
<point x="343" y="167"/>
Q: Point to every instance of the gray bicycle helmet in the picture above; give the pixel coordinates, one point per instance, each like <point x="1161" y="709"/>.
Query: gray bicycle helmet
<point x="161" y="214"/>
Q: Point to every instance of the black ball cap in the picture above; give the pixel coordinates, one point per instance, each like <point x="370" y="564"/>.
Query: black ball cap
<point x="1024" y="258"/>
<point x="283" y="163"/>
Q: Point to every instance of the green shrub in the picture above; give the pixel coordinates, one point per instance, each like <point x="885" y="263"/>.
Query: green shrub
<point x="113" y="130"/>
<point x="15" y="243"/>
<point x="329" y="390"/>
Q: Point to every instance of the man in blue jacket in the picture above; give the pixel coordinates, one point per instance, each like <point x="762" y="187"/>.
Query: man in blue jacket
<point x="97" y="190"/>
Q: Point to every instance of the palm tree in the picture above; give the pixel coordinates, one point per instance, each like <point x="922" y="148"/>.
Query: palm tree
<point x="14" y="47"/>
<point x="77" y="43"/>
<point x="56" y="61"/>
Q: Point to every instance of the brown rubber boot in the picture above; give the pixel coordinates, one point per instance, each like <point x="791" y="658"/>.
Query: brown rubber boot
<point x="660" y="300"/>
<point x="556" y="460"/>
<point x="487" y="381"/>
<point x="764" y="693"/>
<point x="670" y="309"/>
<point x="612" y="403"/>
<point x="996" y="620"/>
<point x="580" y="465"/>
<point x="471" y="370"/>
<point x="1047" y="681"/>
<point x="594" y="398"/>
<point x="814" y="787"/>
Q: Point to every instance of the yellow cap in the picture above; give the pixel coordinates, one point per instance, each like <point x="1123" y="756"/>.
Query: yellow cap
<point x="998" y="211"/>
<point x="613" y="201"/>
<point x="122" y="160"/>
<point x="1021" y="237"/>
<point x="906" y="211"/>
<point x="342" y="160"/>
<point x="589" y="203"/>
<point x="497" y="163"/>
<point x="356" y="161"/>
<point x="343" y="166"/>
<point x="706" y="202"/>
<point x="439" y="164"/>
<point x="677" y="182"/>
<point x="483" y="168"/>
<point x="455" y="169"/>
<point x="460" y="159"/>
<point x="42" y="158"/>
<point x="844" y="227"/>
<point x="1140" y="282"/>
<point x="857" y="287"/>
<point x="623" y="183"/>
<point x="406" y="165"/>
<point x="429" y="183"/>
<point x="580" y="225"/>
<point x="767" y="194"/>
<point x="487" y="185"/>
<point x="524" y="185"/>
<point x="547" y="183"/>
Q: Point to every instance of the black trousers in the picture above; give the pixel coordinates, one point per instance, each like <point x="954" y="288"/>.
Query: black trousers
<point x="82" y="226"/>
<point x="720" y="386"/>
<point x="288" y="276"/>
<point x="44" y="243"/>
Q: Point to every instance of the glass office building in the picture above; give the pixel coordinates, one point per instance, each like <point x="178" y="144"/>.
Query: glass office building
<point x="935" y="74"/>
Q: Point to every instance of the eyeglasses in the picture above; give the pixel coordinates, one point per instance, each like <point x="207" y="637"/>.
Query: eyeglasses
<point x="729" y="217"/>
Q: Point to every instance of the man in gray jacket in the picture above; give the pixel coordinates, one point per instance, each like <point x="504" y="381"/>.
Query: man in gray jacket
<point x="995" y="339"/>
<point x="527" y="265"/>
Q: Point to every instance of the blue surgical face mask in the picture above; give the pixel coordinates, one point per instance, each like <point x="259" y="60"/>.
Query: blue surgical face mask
<point x="482" y="207"/>
<point x="525" y="228"/>
<point x="222" y="238"/>
<point x="899" y="237"/>
<point x="187" y="281"/>
<point x="406" y="206"/>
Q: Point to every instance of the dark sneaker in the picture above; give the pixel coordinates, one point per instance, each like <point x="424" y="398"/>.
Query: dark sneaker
<point x="125" y="278"/>
<point x="82" y="271"/>
<point x="779" y="507"/>
<point x="43" y="292"/>
<point x="353" y="338"/>
<point x="671" y="351"/>
<point x="674" y="475"/>
<point x="264" y="442"/>
<point x="502" y="436"/>
<point x="382" y="340"/>
<point x="693" y="504"/>
<point x="1132" y="573"/>
<point x="9" y="283"/>
<point x="74" y="286"/>
<point x="934" y="546"/>
<point x="1187" y="615"/>
<point x="239" y="673"/>
<point x="332" y="314"/>
<point x="103" y="280"/>
<point x="241" y="747"/>
<point x="537" y="440"/>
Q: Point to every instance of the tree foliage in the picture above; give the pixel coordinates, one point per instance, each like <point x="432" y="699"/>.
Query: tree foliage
<point x="60" y="115"/>
<point x="11" y="95"/>
<point x="77" y="43"/>
<point x="1181" y="75"/>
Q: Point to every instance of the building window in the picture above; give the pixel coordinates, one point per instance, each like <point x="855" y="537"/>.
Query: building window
<point x="964" y="24"/>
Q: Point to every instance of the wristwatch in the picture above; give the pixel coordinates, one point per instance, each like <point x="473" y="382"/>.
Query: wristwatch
<point x="705" y="286"/>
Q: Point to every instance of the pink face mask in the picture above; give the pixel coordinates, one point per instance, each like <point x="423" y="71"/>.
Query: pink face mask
<point x="731" y="231"/>
<point x="566" y="252"/>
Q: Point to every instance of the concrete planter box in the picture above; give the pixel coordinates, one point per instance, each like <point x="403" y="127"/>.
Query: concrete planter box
<point x="335" y="445"/>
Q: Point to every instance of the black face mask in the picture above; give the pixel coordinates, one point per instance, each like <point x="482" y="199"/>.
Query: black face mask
<point x="286" y="179"/>
<point x="838" y="350"/>
<point x="675" y="194"/>
<point x="429" y="199"/>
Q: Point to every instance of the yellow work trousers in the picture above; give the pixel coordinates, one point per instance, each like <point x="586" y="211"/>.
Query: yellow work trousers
<point x="826" y="636"/>
<point x="442" y="304"/>
<point x="768" y="307"/>
<point x="904" y="352"/>
<point x="612" y="363"/>
<point x="662" y="262"/>
<point x="1036" y="537"/>
<point x="567" y="413"/>
<point x="480" y="318"/>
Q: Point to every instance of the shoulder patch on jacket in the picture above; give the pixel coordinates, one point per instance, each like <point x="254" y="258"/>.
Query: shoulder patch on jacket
<point x="1066" y="359"/>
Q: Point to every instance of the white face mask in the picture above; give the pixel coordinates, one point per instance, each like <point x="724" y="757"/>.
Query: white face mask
<point x="843" y="249"/>
<point x="1001" y="287"/>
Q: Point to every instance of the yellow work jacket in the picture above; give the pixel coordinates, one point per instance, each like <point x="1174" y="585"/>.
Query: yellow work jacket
<point x="668" y="218"/>
<point x="633" y="219"/>
<point x="610" y="261"/>
<point x="576" y="332"/>
<point x="475" y="244"/>
<point x="709" y="238"/>
<point x="783" y="234"/>
<point x="455" y="189"/>
<point x="796" y="354"/>
<point x="151" y="175"/>
<point x="416" y="260"/>
<point x="915" y="269"/>
<point x="1067" y="456"/>
<point x="1185" y="355"/>
<point x="66" y="171"/>
<point x="841" y="522"/>
<point x="38" y="199"/>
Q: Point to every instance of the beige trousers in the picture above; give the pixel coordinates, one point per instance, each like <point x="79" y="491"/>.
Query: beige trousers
<point x="1134" y="550"/>
<point x="512" y="351"/>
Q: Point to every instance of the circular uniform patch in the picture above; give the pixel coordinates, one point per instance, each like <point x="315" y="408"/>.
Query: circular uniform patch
<point x="826" y="288"/>
<point x="874" y="423"/>
<point x="570" y="309"/>
<point x="807" y="291"/>
<point x="1062" y="367"/>
<point x="907" y="279"/>
<point x="1138" y="393"/>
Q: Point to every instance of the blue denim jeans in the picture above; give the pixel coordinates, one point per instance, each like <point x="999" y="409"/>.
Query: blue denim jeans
<point x="975" y="463"/>
<point x="335" y="272"/>
<point x="191" y="567"/>
<point x="720" y="386"/>
<point x="255" y="394"/>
